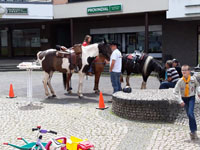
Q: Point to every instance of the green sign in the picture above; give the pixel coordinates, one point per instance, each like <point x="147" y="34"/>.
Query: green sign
<point x="21" y="11"/>
<point x="115" y="8"/>
<point x="103" y="9"/>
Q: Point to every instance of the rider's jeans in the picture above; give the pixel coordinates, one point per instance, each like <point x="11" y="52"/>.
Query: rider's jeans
<point x="115" y="80"/>
<point x="167" y="85"/>
<point x="189" y="107"/>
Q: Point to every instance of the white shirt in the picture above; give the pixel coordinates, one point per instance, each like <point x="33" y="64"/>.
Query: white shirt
<point x="116" y="55"/>
<point x="179" y="90"/>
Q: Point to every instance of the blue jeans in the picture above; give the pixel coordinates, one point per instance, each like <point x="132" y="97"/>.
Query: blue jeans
<point x="115" y="80"/>
<point x="189" y="107"/>
<point x="167" y="85"/>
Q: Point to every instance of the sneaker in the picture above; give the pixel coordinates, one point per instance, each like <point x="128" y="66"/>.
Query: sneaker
<point x="89" y="74"/>
<point x="193" y="135"/>
<point x="110" y="101"/>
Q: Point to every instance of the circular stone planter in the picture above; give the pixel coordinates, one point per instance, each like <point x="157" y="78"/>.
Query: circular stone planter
<point x="149" y="104"/>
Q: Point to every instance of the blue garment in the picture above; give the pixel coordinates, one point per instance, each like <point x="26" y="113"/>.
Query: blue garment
<point x="167" y="85"/>
<point x="115" y="80"/>
<point x="189" y="107"/>
<point x="90" y="69"/>
<point x="165" y="75"/>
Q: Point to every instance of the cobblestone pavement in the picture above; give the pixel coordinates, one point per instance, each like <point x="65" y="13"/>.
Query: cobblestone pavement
<point x="105" y="130"/>
<point x="80" y="118"/>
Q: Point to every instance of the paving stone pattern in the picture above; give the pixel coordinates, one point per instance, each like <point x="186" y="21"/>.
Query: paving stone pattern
<point x="69" y="116"/>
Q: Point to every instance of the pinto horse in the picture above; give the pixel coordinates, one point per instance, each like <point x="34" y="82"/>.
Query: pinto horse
<point x="98" y="67"/>
<point x="67" y="62"/>
<point x="144" y="65"/>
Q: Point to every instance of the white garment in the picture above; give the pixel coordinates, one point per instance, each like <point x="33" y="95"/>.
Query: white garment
<point x="117" y="56"/>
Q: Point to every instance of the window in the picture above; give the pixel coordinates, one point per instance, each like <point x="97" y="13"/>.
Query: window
<point x="4" y="36"/>
<point x="26" y="38"/>
<point x="155" y="42"/>
<point x="108" y="37"/>
<point x="129" y="42"/>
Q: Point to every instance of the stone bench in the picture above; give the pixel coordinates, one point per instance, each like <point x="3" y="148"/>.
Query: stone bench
<point x="149" y="104"/>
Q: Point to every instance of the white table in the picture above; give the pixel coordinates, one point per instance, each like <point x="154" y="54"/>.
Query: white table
<point x="29" y="67"/>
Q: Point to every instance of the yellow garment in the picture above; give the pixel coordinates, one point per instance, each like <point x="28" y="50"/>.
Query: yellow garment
<point x="186" y="85"/>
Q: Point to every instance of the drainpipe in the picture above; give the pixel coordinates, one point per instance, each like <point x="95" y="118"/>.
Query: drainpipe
<point x="71" y="32"/>
<point x="146" y="48"/>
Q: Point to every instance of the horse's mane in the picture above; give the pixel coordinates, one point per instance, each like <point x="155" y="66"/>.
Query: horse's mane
<point x="158" y="67"/>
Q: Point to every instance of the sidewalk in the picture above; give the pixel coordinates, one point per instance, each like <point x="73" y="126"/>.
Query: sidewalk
<point x="11" y="64"/>
<point x="104" y="129"/>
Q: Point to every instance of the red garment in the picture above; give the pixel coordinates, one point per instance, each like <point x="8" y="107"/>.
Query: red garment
<point x="85" y="44"/>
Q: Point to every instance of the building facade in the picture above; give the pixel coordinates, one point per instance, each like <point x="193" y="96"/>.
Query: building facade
<point x="183" y="29"/>
<point x="24" y="27"/>
<point x="165" y="29"/>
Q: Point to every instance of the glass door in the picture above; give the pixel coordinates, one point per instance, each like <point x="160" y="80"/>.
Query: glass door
<point x="131" y="42"/>
<point x="199" y="48"/>
<point x="3" y="43"/>
<point x="199" y="45"/>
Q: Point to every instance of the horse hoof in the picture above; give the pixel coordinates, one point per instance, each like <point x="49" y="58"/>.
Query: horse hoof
<point x="80" y="96"/>
<point x="69" y="92"/>
<point x="53" y="95"/>
<point x="96" y="91"/>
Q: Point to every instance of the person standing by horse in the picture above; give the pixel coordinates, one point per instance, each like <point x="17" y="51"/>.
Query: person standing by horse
<point x="185" y="91"/>
<point x="115" y="66"/>
<point x="172" y="76"/>
<point x="176" y="65"/>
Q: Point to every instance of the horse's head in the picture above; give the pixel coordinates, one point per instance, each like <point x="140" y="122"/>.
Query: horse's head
<point x="105" y="50"/>
<point x="161" y="72"/>
<point x="77" y="48"/>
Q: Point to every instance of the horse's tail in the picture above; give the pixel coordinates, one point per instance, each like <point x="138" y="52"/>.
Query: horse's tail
<point x="124" y="63"/>
<point x="39" y="58"/>
<point x="64" y="79"/>
<point x="121" y="78"/>
<point x="159" y="68"/>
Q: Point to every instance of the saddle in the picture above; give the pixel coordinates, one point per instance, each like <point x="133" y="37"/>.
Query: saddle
<point x="135" y="56"/>
<point x="70" y="54"/>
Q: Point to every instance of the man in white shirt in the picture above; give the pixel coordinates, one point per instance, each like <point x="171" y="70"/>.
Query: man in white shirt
<point x="115" y="67"/>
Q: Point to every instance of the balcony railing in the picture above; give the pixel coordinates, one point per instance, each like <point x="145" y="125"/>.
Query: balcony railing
<point x="26" y="1"/>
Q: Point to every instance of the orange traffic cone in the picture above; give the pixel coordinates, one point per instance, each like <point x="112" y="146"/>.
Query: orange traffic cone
<point x="11" y="92"/>
<point x="101" y="102"/>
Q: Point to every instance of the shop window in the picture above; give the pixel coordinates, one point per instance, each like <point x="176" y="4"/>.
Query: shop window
<point x="26" y="38"/>
<point x="155" y="42"/>
<point x="4" y="37"/>
<point x="108" y="37"/>
<point x="4" y="43"/>
<point x="129" y="42"/>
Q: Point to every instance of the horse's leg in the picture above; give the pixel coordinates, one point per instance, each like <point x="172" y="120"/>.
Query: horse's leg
<point x="49" y="84"/>
<point x="127" y="80"/>
<point x="96" y="82"/>
<point x="144" y="82"/>
<point x="121" y="78"/>
<point x="45" y="82"/>
<point x="143" y="86"/>
<point x="80" y="86"/>
<point x="69" y="88"/>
